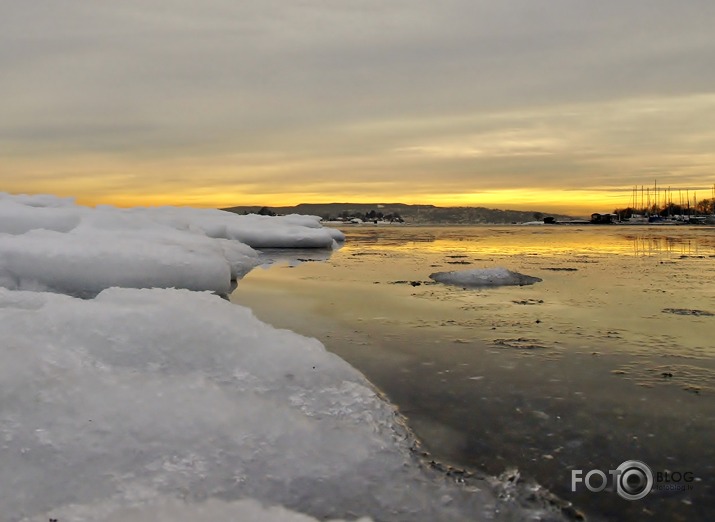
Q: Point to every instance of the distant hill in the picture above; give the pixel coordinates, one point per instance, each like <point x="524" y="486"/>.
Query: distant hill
<point x="417" y="214"/>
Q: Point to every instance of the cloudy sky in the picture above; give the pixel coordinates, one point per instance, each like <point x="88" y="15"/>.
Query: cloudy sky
<point x="532" y="104"/>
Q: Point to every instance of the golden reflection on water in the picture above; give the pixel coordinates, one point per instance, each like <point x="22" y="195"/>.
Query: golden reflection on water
<point x="553" y="241"/>
<point x="648" y="245"/>
<point x="638" y="290"/>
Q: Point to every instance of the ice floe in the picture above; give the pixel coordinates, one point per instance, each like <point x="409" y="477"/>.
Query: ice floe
<point x="480" y="277"/>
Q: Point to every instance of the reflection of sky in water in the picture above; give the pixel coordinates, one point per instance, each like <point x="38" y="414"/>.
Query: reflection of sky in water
<point x="557" y="240"/>
<point x="574" y="371"/>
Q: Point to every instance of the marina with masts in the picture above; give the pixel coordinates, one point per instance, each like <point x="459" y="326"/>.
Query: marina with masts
<point x="655" y="206"/>
<point x="660" y="205"/>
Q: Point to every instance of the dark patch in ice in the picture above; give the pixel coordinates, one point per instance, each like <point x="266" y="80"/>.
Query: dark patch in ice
<point x="521" y="343"/>
<point x="528" y="301"/>
<point x="687" y="311"/>
<point x="411" y="283"/>
<point x="691" y="378"/>
<point x="459" y="262"/>
<point x="560" y="268"/>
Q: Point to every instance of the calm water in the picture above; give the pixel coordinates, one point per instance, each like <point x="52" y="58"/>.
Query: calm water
<point x="609" y="358"/>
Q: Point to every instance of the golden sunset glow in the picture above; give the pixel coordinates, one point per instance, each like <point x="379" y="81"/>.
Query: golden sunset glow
<point x="224" y="105"/>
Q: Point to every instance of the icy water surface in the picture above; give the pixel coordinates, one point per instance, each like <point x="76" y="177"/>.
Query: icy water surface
<point x="609" y="358"/>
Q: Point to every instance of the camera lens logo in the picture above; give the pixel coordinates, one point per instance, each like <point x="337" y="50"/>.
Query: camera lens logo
<point x="634" y="480"/>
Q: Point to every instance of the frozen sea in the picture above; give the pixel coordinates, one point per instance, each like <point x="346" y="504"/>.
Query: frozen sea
<point x="609" y="358"/>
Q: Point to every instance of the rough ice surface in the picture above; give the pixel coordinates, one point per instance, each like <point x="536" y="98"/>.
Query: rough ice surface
<point x="119" y="401"/>
<point x="51" y="244"/>
<point x="481" y="277"/>
<point x="174" y="510"/>
<point x="170" y="404"/>
<point x="292" y="231"/>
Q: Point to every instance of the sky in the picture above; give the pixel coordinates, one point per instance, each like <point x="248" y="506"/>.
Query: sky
<point x="558" y="105"/>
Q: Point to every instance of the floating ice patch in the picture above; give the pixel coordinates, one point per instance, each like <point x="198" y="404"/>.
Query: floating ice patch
<point x="480" y="277"/>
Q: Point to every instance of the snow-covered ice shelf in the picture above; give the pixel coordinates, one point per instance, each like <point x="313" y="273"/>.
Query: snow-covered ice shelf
<point x="51" y="244"/>
<point x="145" y="403"/>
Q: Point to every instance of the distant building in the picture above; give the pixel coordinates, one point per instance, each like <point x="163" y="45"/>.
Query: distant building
<point x="603" y="219"/>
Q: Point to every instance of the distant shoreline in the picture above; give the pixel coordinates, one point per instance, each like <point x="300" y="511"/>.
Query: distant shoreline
<point x="413" y="214"/>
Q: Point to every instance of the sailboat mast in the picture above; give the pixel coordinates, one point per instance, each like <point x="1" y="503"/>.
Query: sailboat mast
<point x="687" y="195"/>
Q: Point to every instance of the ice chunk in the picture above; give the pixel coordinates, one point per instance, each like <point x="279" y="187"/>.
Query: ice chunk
<point x="38" y="200"/>
<point x="174" y="510"/>
<point x="293" y="231"/>
<point x="132" y="400"/>
<point x="479" y="277"/>
<point x="49" y="243"/>
<point x="18" y="218"/>
<point x="83" y="264"/>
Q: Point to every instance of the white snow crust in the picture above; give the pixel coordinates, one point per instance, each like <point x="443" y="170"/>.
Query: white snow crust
<point x="481" y="277"/>
<point x="51" y="244"/>
<point x="139" y="394"/>
<point x="174" y="510"/>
